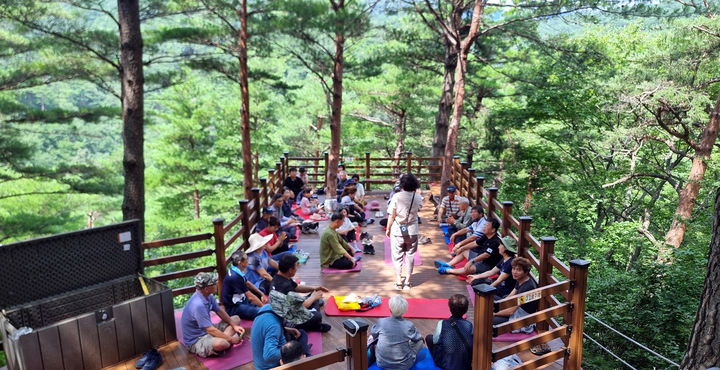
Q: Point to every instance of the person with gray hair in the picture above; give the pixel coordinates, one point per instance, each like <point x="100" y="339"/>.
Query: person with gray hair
<point x="462" y="221"/>
<point x="200" y="335"/>
<point x="398" y="340"/>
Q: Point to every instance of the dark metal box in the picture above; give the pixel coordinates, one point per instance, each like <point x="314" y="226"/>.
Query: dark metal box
<point x="82" y="295"/>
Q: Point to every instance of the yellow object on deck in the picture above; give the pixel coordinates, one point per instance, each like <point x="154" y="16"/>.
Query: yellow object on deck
<point x="142" y="284"/>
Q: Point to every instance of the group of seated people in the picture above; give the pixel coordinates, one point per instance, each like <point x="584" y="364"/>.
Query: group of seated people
<point x="259" y="286"/>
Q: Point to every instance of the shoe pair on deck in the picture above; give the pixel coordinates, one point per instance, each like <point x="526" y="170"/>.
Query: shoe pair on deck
<point x="442" y="266"/>
<point x="151" y="360"/>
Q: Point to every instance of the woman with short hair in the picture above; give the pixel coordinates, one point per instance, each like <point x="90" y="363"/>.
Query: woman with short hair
<point x="398" y="340"/>
<point x="402" y="228"/>
<point x="521" y="273"/>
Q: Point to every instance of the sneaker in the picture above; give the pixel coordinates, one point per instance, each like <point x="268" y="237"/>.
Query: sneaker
<point x="324" y="328"/>
<point x="442" y="270"/>
<point x="358" y="258"/>
<point x="407" y="286"/>
<point x="399" y="285"/>
<point x="141" y="362"/>
<point x="370" y="221"/>
<point x="292" y="248"/>
<point x="439" y="263"/>
<point x="153" y="361"/>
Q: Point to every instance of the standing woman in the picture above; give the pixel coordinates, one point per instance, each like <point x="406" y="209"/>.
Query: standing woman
<point x="403" y="227"/>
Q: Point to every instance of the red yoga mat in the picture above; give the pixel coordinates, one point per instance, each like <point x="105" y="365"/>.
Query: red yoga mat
<point x="418" y="308"/>
<point x="240" y="354"/>
<point x="306" y="216"/>
<point x="459" y="264"/>
<point x="388" y="254"/>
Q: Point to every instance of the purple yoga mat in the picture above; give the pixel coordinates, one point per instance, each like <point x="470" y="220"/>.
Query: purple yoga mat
<point x="330" y="270"/>
<point x="240" y="354"/>
<point x="388" y="254"/>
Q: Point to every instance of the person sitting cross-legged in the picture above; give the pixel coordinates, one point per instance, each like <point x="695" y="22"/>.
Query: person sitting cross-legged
<point x="505" y="282"/>
<point x="200" y="335"/>
<point x="293" y="182"/>
<point x="521" y="273"/>
<point x="451" y="344"/>
<point x="283" y="282"/>
<point x="335" y="252"/>
<point x="483" y="257"/>
<point x="465" y="238"/>
<point x="308" y="204"/>
<point x="288" y="223"/>
<point x="239" y="296"/>
<point x="398" y="340"/>
<point x="259" y="263"/>
<point x="460" y="222"/>
<point x="270" y="330"/>
<point x="449" y="205"/>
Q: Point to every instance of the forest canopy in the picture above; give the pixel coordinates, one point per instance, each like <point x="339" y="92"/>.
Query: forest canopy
<point x="593" y="116"/>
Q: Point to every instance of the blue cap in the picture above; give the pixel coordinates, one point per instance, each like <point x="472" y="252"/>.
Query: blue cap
<point x="451" y="189"/>
<point x="350" y="182"/>
<point x="268" y="209"/>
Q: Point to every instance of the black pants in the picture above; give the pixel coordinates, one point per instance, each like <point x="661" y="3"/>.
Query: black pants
<point x="429" y="342"/>
<point x="313" y="324"/>
<point x="342" y="263"/>
<point x="355" y="216"/>
<point x="350" y="237"/>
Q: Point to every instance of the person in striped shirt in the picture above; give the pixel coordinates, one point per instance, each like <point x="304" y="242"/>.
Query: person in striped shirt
<point x="450" y="205"/>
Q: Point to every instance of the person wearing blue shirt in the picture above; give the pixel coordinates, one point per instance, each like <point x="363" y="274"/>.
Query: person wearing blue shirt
<point x="269" y="332"/>
<point x="200" y="335"/>
<point x="259" y="262"/>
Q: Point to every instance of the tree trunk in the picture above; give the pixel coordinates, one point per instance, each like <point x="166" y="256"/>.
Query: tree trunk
<point x="704" y="347"/>
<point x="196" y="202"/>
<point x="245" y="97"/>
<point x="335" y="120"/>
<point x="131" y="76"/>
<point x="400" y="147"/>
<point x="446" y="101"/>
<point x="459" y="94"/>
<point x="470" y="156"/>
<point x="689" y="194"/>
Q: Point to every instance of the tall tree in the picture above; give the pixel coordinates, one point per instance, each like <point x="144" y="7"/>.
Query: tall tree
<point x="702" y="351"/>
<point x="132" y="80"/>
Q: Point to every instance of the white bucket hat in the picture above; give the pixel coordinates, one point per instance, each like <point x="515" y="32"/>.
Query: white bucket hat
<point x="257" y="241"/>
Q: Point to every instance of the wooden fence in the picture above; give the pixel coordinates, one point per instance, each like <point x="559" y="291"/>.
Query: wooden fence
<point x="381" y="170"/>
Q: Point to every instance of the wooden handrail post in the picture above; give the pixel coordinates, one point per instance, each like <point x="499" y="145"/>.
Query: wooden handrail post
<point x="578" y="291"/>
<point x="409" y="161"/>
<point x="492" y="195"/>
<point x="367" y="171"/>
<point x="479" y="183"/>
<point x="271" y="182"/>
<point x="219" y="237"/>
<point x="470" y="188"/>
<point x="263" y="193"/>
<point x="279" y="177"/>
<point x="245" y="223"/>
<point x="547" y="248"/>
<point x="506" y="215"/>
<point x="257" y="207"/>
<point x="461" y="188"/>
<point x="523" y="233"/>
<point x="326" y="156"/>
<point x="357" y="343"/>
<point x="483" y="320"/>
<point x="286" y="164"/>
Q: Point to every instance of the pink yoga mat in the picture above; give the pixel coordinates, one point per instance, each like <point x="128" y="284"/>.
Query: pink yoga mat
<point x="240" y="354"/>
<point x="513" y="337"/>
<point x="330" y="270"/>
<point x="388" y="254"/>
<point x="418" y="308"/>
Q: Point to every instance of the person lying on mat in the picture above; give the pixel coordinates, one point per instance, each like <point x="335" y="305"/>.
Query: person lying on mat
<point x="283" y="282"/>
<point x="397" y="340"/>
<point x="521" y="273"/>
<point x="451" y="343"/>
<point x="259" y="262"/>
<point x="269" y="333"/>
<point x="335" y="252"/>
<point x="239" y="296"/>
<point x="505" y="282"/>
<point x="200" y="335"/>
<point x="464" y="238"/>
<point x="482" y="258"/>
<point x="308" y="205"/>
<point x="462" y="221"/>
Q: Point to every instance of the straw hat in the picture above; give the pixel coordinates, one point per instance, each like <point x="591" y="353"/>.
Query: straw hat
<point x="257" y="241"/>
<point x="315" y="217"/>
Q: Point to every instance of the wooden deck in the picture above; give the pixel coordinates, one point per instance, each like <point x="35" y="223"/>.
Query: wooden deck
<point x="375" y="278"/>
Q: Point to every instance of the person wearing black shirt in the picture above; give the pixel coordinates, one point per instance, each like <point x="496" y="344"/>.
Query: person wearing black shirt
<point x="293" y="182"/>
<point x="483" y="257"/>
<point x="521" y="273"/>
<point x="505" y="282"/>
<point x="283" y="283"/>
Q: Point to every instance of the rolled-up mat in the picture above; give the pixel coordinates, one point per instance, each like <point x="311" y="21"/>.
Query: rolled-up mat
<point x="418" y="308"/>
<point x="388" y="254"/>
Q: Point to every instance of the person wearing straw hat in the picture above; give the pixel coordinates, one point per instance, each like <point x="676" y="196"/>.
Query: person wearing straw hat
<point x="259" y="262"/>
<point x="200" y="335"/>
<point x="271" y="328"/>
<point x="505" y="282"/>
